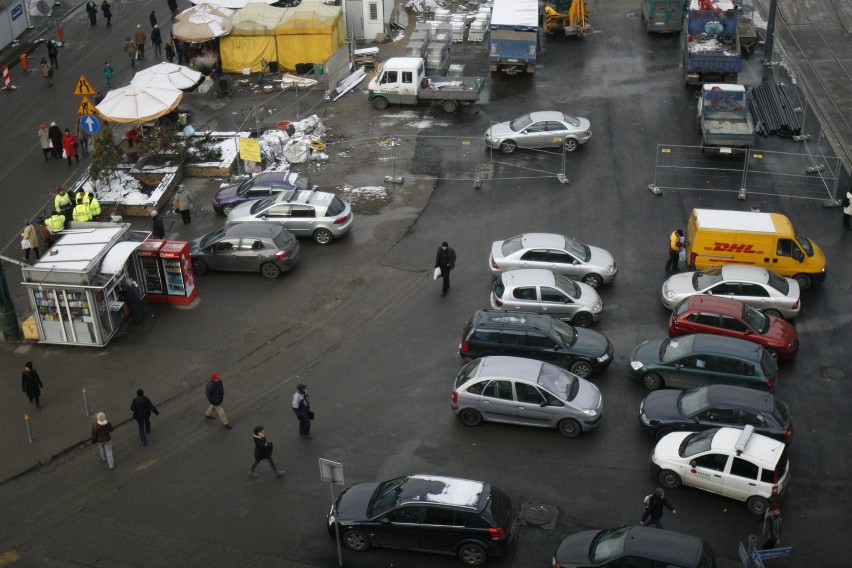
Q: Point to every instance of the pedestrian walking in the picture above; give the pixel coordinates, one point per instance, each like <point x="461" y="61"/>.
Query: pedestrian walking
<point x="83" y="138"/>
<point x="53" y="53"/>
<point x="172" y="8"/>
<point x="772" y="527"/>
<point x="158" y="231"/>
<point x="152" y="17"/>
<point x="101" y="430"/>
<point x="92" y="10"/>
<point x="142" y="407"/>
<point x="445" y="260"/>
<point x="62" y="203"/>
<point x="654" y="504"/>
<point x="29" y="235"/>
<point x="46" y="71"/>
<point x="44" y="141"/>
<point x="69" y="145"/>
<point x="108" y="73"/>
<point x="180" y="48"/>
<point x="215" y="395"/>
<point x="55" y="134"/>
<point x="183" y="203"/>
<point x="106" y="9"/>
<point x="94" y="207"/>
<point x="302" y="409"/>
<point x="157" y="41"/>
<point x="31" y="384"/>
<point x="170" y="50"/>
<point x="675" y="244"/>
<point x="139" y="38"/>
<point x="847" y="210"/>
<point x="263" y="451"/>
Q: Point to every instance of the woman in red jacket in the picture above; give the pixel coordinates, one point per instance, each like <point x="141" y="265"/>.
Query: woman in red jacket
<point x="69" y="144"/>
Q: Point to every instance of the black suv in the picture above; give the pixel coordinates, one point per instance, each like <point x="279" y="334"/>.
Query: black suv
<point x="535" y="336"/>
<point x="428" y="513"/>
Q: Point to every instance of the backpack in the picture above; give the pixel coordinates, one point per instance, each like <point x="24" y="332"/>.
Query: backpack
<point x="647" y="500"/>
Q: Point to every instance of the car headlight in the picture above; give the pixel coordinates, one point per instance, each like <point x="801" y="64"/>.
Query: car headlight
<point x="596" y="307"/>
<point x="791" y="346"/>
<point x="636" y="365"/>
<point x="645" y="420"/>
<point x="590" y="412"/>
<point x="331" y="519"/>
<point x="670" y="294"/>
<point x="603" y="358"/>
<point x="610" y="269"/>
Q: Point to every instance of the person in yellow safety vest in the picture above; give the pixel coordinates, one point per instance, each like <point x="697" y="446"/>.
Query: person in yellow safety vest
<point x="94" y="206"/>
<point x="675" y="245"/>
<point x="56" y="222"/>
<point x="81" y="211"/>
<point x="62" y="202"/>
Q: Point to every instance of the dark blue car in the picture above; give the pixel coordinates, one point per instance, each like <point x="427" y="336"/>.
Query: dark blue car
<point x="255" y="188"/>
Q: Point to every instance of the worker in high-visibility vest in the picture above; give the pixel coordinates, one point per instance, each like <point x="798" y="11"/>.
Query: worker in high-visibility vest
<point x="81" y="211"/>
<point x="81" y="195"/>
<point x="56" y="222"/>
<point x="94" y="206"/>
<point x="62" y="202"/>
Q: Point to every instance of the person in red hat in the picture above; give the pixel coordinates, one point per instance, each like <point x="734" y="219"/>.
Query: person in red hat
<point x="215" y="396"/>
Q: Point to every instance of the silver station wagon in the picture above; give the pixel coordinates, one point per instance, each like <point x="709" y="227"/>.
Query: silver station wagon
<point x="542" y="291"/>
<point x="527" y="392"/>
<point x="564" y="255"/>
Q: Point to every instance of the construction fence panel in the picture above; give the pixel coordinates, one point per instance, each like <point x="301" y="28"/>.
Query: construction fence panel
<point x="689" y="167"/>
<point x="802" y="175"/>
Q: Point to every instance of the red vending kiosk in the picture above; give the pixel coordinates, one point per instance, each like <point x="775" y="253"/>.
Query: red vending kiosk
<point x="150" y="274"/>
<point x="177" y="268"/>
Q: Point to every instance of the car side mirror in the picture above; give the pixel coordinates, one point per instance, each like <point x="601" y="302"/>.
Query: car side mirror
<point x="543" y="403"/>
<point x="385" y="521"/>
<point x="691" y="463"/>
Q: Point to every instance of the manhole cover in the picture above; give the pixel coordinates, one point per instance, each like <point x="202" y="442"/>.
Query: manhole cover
<point x="539" y="515"/>
<point x="832" y="374"/>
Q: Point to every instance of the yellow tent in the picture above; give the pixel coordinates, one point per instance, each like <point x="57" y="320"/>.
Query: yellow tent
<point x="309" y="33"/>
<point x="252" y="39"/>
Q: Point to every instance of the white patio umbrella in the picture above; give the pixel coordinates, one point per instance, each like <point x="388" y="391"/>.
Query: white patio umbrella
<point x="234" y="4"/>
<point x="201" y="27"/>
<point x="167" y="75"/>
<point x="213" y="9"/>
<point x="138" y="104"/>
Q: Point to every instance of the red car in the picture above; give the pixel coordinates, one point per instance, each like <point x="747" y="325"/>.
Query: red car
<point x="726" y="316"/>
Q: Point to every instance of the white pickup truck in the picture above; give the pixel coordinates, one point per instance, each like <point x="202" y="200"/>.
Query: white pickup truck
<point x="403" y="81"/>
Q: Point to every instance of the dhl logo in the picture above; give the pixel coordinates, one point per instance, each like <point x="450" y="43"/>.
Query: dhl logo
<point x="733" y="247"/>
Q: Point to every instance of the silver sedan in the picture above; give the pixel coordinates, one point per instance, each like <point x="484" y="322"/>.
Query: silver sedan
<point x="761" y="289"/>
<point x="543" y="129"/>
<point x="590" y="265"/>
<point x="543" y="292"/>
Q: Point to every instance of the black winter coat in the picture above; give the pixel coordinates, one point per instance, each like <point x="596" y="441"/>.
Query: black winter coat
<point x="655" y="507"/>
<point x="215" y="392"/>
<point x="55" y="135"/>
<point x="142" y="407"/>
<point x="31" y="383"/>
<point x="445" y="259"/>
<point x="262" y="448"/>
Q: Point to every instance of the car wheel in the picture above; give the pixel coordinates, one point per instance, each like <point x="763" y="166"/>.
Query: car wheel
<point x="227" y="209"/>
<point x="775" y="313"/>
<point x="583" y="319"/>
<point x="804" y="281"/>
<point x="379" y="103"/>
<point x="662" y="432"/>
<point x="593" y="280"/>
<point x="757" y="505"/>
<point x="508" y="147"/>
<point x="669" y="479"/>
<point x="472" y="554"/>
<point x="652" y="381"/>
<point x="323" y="236"/>
<point x="200" y="267"/>
<point x="571" y="145"/>
<point x="450" y="106"/>
<point x="581" y="368"/>
<point x="470" y="417"/>
<point x="569" y="428"/>
<point x="270" y="270"/>
<point x="356" y="540"/>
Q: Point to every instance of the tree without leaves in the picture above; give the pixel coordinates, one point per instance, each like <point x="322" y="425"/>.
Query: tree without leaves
<point x="105" y="156"/>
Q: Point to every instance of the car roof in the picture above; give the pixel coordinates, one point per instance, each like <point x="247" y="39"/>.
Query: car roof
<point x="509" y="367"/>
<point x="549" y="240"/>
<point x="740" y="397"/>
<point x="277" y="177"/>
<point x="764" y="450"/>
<point x="304" y="196"/>
<point x="716" y="304"/>
<point x="663" y="545"/>
<point x="442" y="490"/>
<point x="547" y="115"/>
<point x="528" y="277"/>
<point x="257" y="230"/>
<point x="744" y="272"/>
<point x="506" y="318"/>
<point x="730" y="346"/>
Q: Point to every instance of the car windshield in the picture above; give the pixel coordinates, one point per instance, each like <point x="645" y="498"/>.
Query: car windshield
<point x="558" y="382"/>
<point x="566" y="333"/>
<point x="520" y="123"/>
<point x="676" y="347"/>
<point x="756" y="319"/>
<point x="245" y="186"/>
<point x="579" y="250"/>
<point x="705" y="278"/>
<point x="467" y="372"/>
<point x="573" y="121"/>
<point x="566" y="285"/>
<point x="806" y="244"/>
<point x="779" y="283"/>
<point x="769" y="364"/>
<point x="512" y="245"/>
<point x="691" y="401"/>
<point x="385" y="497"/>
<point x="210" y="237"/>
<point x="608" y="544"/>
<point x="697" y="443"/>
<point x="264" y="203"/>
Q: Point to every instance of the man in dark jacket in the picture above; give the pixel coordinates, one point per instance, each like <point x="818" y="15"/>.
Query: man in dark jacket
<point x="215" y="396"/>
<point x="446" y="261"/>
<point x="55" y="135"/>
<point x="172" y="8"/>
<point x="142" y="407"/>
<point x="302" y="409"/>
<point x="157" y="40"/>
<point x="31" y="384"/>
<point x="92" y="10"/>
<point x="263" y="451"/>
<point x="158" y="231"/>
<point x="654" y="508"/>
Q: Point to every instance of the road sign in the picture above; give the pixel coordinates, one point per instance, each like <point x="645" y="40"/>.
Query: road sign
<point x="86" y="107"/>
<point x="83" y="87"/>
<point x="90" y="124"/>
<point x="776" y="552"/>
<point x="331" y="471"/>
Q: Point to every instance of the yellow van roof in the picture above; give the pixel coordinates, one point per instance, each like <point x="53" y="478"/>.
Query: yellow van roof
<point x="739" y="220"/>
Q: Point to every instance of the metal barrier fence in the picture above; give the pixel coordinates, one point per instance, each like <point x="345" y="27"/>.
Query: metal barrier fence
<point x="761" y="172"/>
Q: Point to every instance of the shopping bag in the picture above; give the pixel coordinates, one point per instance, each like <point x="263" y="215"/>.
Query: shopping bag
<point x="64" y="153"/>
<point x="437" y="273"/>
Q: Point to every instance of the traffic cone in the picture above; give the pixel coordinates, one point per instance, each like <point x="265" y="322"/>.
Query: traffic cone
<point x="25" y="63"/>
<point x="7" y="79"/>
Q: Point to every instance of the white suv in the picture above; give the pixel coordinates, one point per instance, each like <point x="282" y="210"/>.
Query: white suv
<point x="735" y="463"/>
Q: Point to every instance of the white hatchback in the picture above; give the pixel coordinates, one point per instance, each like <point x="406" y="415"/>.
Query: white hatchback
<point x="731" y="462"/>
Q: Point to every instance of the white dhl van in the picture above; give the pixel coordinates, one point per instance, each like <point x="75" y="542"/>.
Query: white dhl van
<point x="768" y="240"/>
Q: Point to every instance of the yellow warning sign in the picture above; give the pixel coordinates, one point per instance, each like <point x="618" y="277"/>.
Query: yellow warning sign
<point x="84" y="87"/>
<point x="249" y="149"/>
<point x="86" y="107"/>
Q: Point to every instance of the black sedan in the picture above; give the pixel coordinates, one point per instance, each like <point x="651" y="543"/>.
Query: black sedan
<point x="713" y="406"/>
<point x="246" y="247"/>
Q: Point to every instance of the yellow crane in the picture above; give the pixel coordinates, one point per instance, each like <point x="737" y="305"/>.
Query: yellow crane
<point x="570" y="16"/>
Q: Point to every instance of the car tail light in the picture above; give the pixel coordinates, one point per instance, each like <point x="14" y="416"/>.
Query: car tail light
<point x="497" y="533"/>
<point x="455" y="396"/>
<point x="281" y="254"/>
<point x="494" y="264"/>
<point x="341" y="220"/>
<point x="796" y="305"/>
<point x="499" y="302"/>
<point x="787" y="433"/>
<point x="463" y="346"/>
<point x="767" y="383"/>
